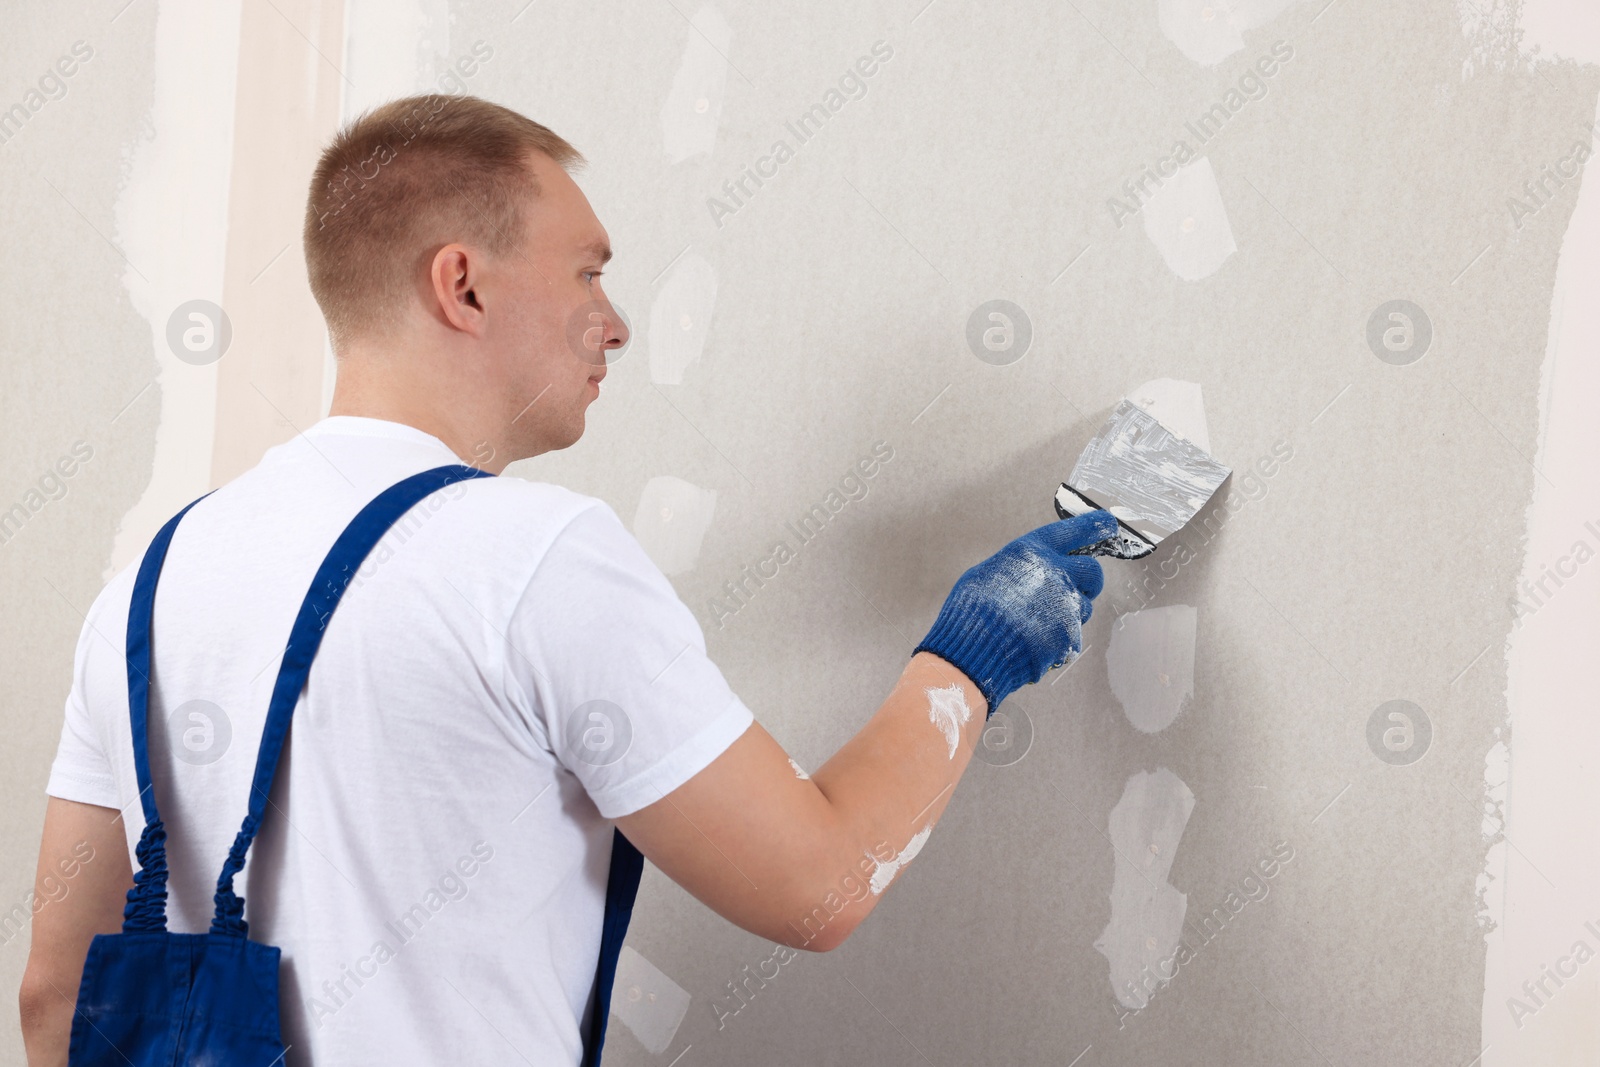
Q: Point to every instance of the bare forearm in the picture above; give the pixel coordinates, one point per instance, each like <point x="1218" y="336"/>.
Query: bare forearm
<point x="887" y="787"/>
<point x="83" y="877"/>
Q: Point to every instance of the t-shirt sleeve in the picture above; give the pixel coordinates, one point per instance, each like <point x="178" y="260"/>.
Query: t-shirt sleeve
<point x="615" y="665"/>
<point x="82" y="769"/>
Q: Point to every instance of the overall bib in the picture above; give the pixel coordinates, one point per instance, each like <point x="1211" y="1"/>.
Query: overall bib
<point x="150" y="997"/>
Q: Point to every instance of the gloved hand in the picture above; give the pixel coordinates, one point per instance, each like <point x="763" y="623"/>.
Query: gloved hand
<point x="1020" y="613"/>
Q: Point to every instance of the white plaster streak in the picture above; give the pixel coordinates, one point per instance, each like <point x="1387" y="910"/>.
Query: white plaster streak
<point x="671" y="521"/>
<point x="1150" y="664"/>
<point x="799" y="772"/>
<point x="693" y="107"/>
<point x="884" y="873"/>
<point x="171" y="220"/>
<point x="680" y="317"/>
<point x="948" y="710"/>
<point x="1146" y="912"/>
<point x="1188" y="223"/>
<point x="1551" y="798"/>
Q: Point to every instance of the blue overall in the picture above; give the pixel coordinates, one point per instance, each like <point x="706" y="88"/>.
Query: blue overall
<point x="152" y="997"/>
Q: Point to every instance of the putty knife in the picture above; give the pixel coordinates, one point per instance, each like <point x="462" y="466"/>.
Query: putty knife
<point x="1149" y="478"/>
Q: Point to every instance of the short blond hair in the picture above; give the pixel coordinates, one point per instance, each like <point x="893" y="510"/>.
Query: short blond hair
<point x="404" y="179"/>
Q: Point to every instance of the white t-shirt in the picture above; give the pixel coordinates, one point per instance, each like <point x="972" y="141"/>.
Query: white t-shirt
<point x="433" y="862"/>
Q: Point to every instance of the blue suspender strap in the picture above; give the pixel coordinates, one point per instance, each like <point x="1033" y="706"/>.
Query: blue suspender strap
<point x="335" y="573"/>
<point x="146" y="908"/>
<point x="622" y="885"/>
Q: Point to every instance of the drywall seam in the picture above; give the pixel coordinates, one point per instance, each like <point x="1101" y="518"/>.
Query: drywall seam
<point x="171" y="220"/>
<point x="1539" y="896"/>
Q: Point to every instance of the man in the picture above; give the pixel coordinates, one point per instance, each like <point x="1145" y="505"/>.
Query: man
<point x="506" y="679"/>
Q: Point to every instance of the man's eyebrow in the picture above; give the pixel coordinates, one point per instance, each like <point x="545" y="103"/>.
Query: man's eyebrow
<point x="598" y="250"/>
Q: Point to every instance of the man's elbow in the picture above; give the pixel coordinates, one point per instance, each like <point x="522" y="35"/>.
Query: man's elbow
<point x="41" y="1005"/>
<point x="831" y="938"/>
<point x="818" y="927"/>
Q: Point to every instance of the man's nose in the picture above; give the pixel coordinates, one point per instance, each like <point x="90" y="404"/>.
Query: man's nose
<point x="616" y="329"/>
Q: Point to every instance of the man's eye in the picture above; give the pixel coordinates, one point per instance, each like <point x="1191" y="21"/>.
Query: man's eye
<point x="592" y="274"/>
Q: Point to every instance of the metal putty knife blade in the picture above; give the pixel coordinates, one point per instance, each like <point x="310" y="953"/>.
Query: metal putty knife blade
<point x="1151" y="479"/>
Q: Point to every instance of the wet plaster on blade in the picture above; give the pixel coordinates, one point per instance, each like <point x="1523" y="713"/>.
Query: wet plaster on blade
<point x="1150" y="664"/>
<point x="884" y="873"/>
<point x="1143" y="473"/>
<point x="693" y="108"/>
<point x="948" y="710"/>
<point x="1146" y="912"/>
<point x="680" y="318"/>
<point x="671" y="521"/>
<point x="1188" y="224"/>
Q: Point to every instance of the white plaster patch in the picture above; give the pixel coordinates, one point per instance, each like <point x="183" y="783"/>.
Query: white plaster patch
<point x="884" y="873"/>
<point x="799" y="772"/>
<point x="392" y="48"/>
<point x="693" y="108"/>
<point x="1146" y="912"/>
<point x="1496" y="776"/>
<point x="1551" y="738"/>
<point x="647" y="1001"/>
<point x="671" y="521"/>
<point x="1188" y="224"/>
<point x="1496" y="772"/>
<point x="1208" y="31"/>
<point x="1150" y="663"/>
<point x="680" y="318"/>
<point x="1177" y="405"/>
<point x="948" y="710"/>
<point x="1490" y="27"/>
<point x="171" y="222"/>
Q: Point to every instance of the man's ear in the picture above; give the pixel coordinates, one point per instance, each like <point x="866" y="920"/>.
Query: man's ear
<point x="456" y="274"/>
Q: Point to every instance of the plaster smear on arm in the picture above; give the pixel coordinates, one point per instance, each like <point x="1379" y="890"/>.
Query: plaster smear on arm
<point x="948" y="710"/>
<point x="883" y="873"/>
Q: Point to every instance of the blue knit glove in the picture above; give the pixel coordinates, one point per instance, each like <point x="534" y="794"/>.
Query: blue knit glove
<point x="1020" y="612"/>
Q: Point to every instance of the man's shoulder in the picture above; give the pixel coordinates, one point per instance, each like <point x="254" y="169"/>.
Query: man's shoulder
<point x="517" y="511"/>
<point x="507" y="498"/>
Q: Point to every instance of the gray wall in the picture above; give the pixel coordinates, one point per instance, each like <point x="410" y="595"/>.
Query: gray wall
<point x="1379" y="562"/>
